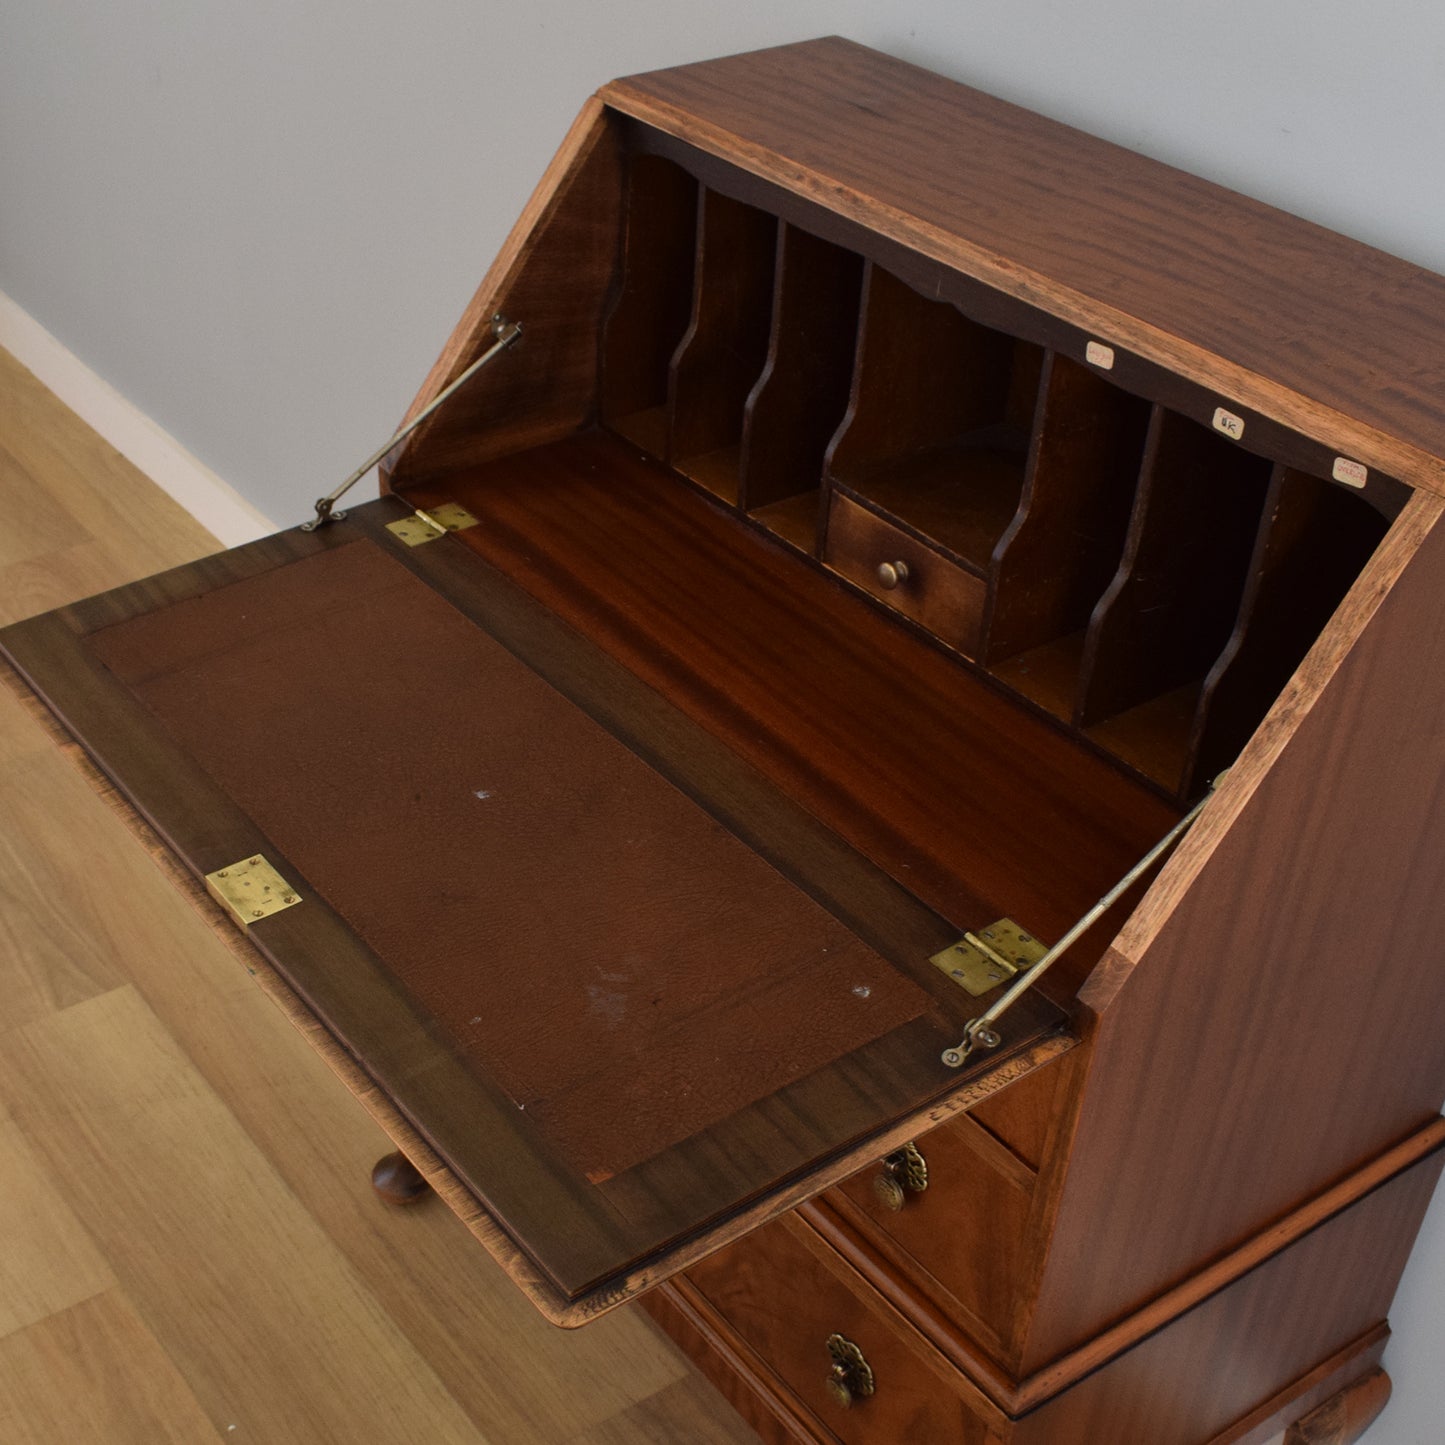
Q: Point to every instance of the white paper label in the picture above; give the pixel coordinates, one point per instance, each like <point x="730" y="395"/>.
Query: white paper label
<point x="1097" y="354"/>
<point x="1352" y="474"/>
<point x="1228" y="423"/>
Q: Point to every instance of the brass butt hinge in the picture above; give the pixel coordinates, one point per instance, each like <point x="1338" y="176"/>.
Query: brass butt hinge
<point x="428" y="526"/>
<point x="251" y="890"/>
<point x="1017" y="958"/>
<point x="980" y="961"/>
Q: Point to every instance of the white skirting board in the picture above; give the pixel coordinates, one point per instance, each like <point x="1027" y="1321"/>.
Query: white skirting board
<point x="215" y="504"/>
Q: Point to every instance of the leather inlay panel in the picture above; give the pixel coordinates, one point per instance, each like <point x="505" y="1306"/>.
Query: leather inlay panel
<point x="579" y="929"/>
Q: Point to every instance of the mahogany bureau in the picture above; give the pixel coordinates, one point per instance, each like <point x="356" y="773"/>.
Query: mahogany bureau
<point x="882" y="516"/>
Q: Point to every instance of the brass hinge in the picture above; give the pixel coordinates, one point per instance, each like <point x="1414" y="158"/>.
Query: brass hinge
<point x="980" y="962"/>
<point x="963" y="959"/>
<point x="251" y="890"/>
<point x="428" y="526"/>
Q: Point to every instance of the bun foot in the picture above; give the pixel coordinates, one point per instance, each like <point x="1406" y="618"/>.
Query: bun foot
<point x="1343" y="1418"/>
<point x="396" y="1179"/>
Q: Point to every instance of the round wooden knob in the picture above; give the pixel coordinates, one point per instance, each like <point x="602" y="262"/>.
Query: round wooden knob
<point x="891" y="574"/>
<point x="397" y="1180"/>
<point x="851" y="1377"/>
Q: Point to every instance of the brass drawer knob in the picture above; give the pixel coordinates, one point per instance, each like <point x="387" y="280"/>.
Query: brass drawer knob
<point x="902" y="1173"/>
<point x="851" y="1377"/>
<point x="892" y="574"/>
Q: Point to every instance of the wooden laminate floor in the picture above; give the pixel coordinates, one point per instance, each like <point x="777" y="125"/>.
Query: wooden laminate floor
<point x="189" y="1248"/>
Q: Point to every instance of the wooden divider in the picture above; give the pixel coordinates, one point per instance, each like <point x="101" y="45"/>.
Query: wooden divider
<point x="1063" y="547"/>
<point x="1173" y="603"/>
<point x="1149" y="582"/>
<point x="723" y="353"/>
<point x="799" y="401"/>
<point x="653" y="304"/>
<point x="1313" y="543"/>
<point x="939" y="420"/>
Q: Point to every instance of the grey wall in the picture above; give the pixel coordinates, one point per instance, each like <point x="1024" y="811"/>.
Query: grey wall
<point x="259" y="221"/>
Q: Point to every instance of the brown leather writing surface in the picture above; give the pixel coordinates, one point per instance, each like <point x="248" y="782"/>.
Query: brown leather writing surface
<point x="580" y="930"/>
<point x="770" y="1083"/>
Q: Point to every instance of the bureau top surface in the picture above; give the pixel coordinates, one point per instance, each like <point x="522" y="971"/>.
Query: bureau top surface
<point x="1316" y="330"/>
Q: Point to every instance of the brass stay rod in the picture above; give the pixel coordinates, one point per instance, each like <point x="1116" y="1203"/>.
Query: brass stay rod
<point x="505" y="333"/>
<point x="980" y="1032"/>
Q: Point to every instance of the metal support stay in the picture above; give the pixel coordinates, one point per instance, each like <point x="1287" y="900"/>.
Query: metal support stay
<point x="504" y="333"/>
<point x="980" y="1033"/>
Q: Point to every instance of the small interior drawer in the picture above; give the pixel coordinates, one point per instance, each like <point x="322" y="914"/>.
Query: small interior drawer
<point x="910" y="576"/>
<point x="967" y="1229"/>
<point x="776" y="1292"/>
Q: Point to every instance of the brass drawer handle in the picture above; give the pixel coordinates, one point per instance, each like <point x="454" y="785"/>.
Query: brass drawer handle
<point x="902" y="1173"/>
<point x="892" y="574"/>
<point x="851" y="1377"/>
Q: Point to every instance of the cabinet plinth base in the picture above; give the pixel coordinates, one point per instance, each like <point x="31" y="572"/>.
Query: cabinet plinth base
<point x="1344" y="1417"/>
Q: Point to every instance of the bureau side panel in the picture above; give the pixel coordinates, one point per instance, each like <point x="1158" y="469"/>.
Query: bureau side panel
<point x="553" y="277"/>
<point x="1205" y="1374"/>
<point x="1271" y="1018"/>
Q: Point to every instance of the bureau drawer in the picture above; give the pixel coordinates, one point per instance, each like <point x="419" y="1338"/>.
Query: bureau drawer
<point x="910" y="576"/>
<point x="774" y="1290"/>
<point x="968" y="1229"/>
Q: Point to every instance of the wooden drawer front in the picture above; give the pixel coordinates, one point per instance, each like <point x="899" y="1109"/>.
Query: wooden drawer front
<point x="779" y="1296"/>
<point x="1023" y="1114"/>
<point x="968" y="1229"/>
<point x="936" y="592"/>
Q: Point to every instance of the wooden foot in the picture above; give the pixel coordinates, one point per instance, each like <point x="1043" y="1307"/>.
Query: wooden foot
<point x="1343" y="1418"/>
<point x="396" y="1179"/>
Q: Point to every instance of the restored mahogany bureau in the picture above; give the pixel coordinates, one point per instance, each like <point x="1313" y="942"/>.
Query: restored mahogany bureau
<point x="883" y="514"/>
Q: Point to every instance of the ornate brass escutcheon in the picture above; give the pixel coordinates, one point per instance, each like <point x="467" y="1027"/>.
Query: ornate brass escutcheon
<point x="851" y="1376"/>
<point x="903" y="1172"/>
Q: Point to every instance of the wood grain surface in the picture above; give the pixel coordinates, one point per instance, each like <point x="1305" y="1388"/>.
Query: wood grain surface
<point x="1133" y="251"/>
<point x="1313" y="542"/>
<point x="723" y="352"/>
<point x="971" y="1178"/>
<point x="873" y="731"/>
<point x="652" y="299"/>
<point x="561" y="845"/>
<point x="1345" y="1416"/>
<point x="1268" y="1423"/>
<point x="934" y="590"/>
<point x="917" y="1397"/>
<point x="1198" y="1375"/>
<point x="988" y="1357"/>
<point x="802" y="391"/>
<point x="553" y="274"/>
<point x="587" y="1228"/>
<point x="96" y="1345"/>
<point x="1061" y="549"/>
<point x="1320" y="851"/>
<point x="96" y="1372"/>
<point x="520" y="1269"/>
<point x="1219" y="1368"/>
<point x="1165" y="1214"/>
<point x="936" y="436"/>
